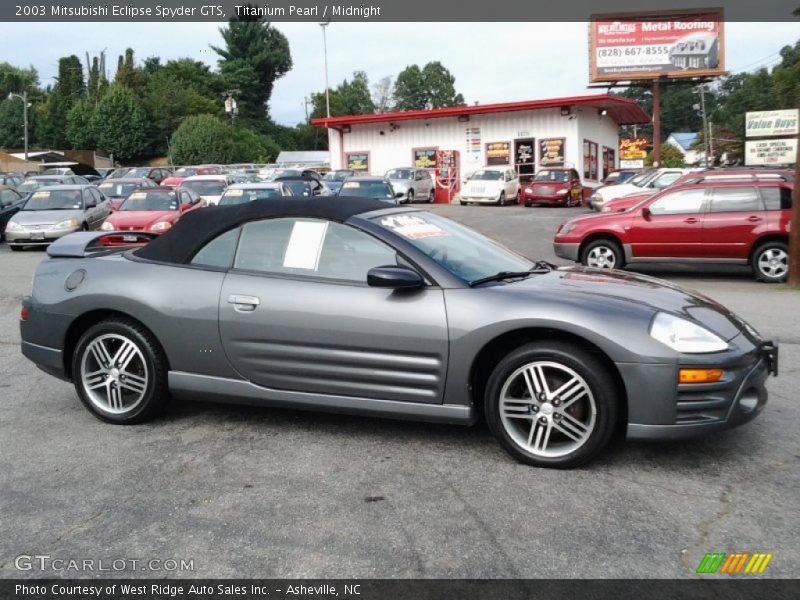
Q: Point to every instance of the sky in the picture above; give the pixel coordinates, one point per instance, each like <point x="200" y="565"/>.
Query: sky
<point x="492" y="62"/>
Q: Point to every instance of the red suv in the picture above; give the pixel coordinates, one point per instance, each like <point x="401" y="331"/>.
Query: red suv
<point x="715" y="222"/>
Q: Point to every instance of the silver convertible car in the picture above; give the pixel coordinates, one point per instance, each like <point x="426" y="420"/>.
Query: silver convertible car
<point x="350" y="306"/>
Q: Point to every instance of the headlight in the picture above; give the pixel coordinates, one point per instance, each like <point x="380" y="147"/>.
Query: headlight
<point x="160" y="226"/>
<point x="561" y="192"/>
<point x="528" y="190"/>
<point x="596" y="198"/>
<point x="14" y="226"/>
<point x="68" y="224"/>
<point x="106" y="226"/>
<point x="566" y="228"/>
<point x="684" y="336"/>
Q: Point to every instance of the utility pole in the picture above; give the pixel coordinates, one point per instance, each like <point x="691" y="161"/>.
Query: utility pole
<point x="794" y="225"/>
<point x="24" y="98"/>
<point x="306" y="102"/>
<point x="706" y="139"/>
<point x="656" y="123"/>
<point x="324" y="25"/>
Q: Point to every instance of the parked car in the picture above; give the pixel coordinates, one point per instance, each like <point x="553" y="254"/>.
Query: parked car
<point x="712" y="222"/>
<point x="621" y="176"/>
<point x="242" y="193"/>
<point x="273" y="173"/>
<point x="116" y="190"/>
<point x="653" y="180"/>
<point x="208" y="187"/>
<point x="367" y="186"/>
<point x="104" y="171"/>
<point x="304" y="185"/>
<point x="156" y="174"/>
<point x="182" y="173"/>
<point x="56" y="211"/>
<point x="416" y="184"/>
<point x="352" y="306"/>
<point x="153" y="209"/>
<point x="58" y="171"/>
<point x="10" y="180"/>
<point x="31" y="184"/>
<point x="119" y="172"/>
<point x="334" y="179"/>
<point x="10" y="203"/>
<point x="554" y="187"/>
<point x="494" y="185"/>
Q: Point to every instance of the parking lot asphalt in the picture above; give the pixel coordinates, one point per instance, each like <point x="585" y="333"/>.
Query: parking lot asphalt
<point x="278" y="493"/>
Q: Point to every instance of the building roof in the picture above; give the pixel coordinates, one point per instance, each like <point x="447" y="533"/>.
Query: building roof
<point x="623" y="110"/>
<point x="685" y="139"/>
<point x="309" y="157"/>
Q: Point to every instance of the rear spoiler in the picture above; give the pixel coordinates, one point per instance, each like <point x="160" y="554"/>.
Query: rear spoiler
<point x="85" y="243"/>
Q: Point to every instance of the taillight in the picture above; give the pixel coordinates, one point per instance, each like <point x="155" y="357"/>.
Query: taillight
<point x="23" y="313"/>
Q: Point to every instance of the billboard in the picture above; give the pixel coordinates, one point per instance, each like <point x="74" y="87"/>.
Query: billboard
<point x="765" y="123"/>
<point x="770" y="152"/>
<point x="674" y="44"/>
<point x="633" y="148"/>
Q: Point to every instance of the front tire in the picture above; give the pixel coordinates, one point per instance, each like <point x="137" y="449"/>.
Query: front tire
<point x="432" y="197"/>
<point x="120" y="372"/>
<point x="603" y="254"/>
<point x="15" y="248"/>
<point x="410" y="196"/>
<point x="502" y="199"/>
<point x="551" y="404"/>
<point x="770" y="262"/>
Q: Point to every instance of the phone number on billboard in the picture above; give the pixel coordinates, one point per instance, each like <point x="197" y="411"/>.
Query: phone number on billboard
<point x="632" y="51"/>
<point x="650" y="55"/>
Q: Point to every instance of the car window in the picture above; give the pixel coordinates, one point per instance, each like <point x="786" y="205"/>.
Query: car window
<point x="735" y="199"/>
<point x="97" y="195"/>
<point x="678" y="203"/>
<point x="7" y="198"/>
<point x="666" y="180"/>
<point x="218" y="252"/>
<point x="310" y="248"/>
<point x="777" y="198"/>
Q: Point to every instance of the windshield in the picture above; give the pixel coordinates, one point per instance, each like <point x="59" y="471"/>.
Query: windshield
<point x="117" y="190"/>
<point x="30" y="185"/>
<point x="462" y="251"/>
<point x="299" y="188"/>
<point x="244" y="196"/>
<point x="150" y="201"/>
<point x="400" y="174"/>
<point x="139" y="172"/>
<point x="367" y="189"/>
<point x="666" y="179"/>
<point x="117" y="173"/>
<point x="205" y="187"/>
<point x="336" y="176"/>
<point x="642" y="178"/>
<point x="487" y="175"/>
<point x="55" y="200"/>
<point x="185" y="172"/>
<point x="552" y="176"/>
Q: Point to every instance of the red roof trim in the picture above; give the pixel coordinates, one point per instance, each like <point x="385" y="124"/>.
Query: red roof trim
<point x="623" y="110"/>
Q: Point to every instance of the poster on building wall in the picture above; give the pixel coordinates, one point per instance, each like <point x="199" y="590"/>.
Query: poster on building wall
<point x="551" y="152"/>
<point x="633" y="148"/>
<point x="770" y="152"/>
<point x="424" y="158"/>
<point x="358" y="161"/>
<point x="524" y="153"/>
<point x="473" y="144"/>
<point x="674" y="44"/>
<point x="498" y="153"/>
<point x="766" y="123"/>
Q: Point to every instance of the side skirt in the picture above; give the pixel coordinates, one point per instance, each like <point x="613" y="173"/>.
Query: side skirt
<point x="189" y="386"/>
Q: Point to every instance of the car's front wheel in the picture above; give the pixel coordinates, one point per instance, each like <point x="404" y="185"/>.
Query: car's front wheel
<point x="771" y="262"/>
<point x="432" y="197"/>
<point x="410" y="196"/>
<point x="120" y="372"/>
<point x="502" y="199"/>
<point x="551" y="404"/>
<point x="603" y="254"/>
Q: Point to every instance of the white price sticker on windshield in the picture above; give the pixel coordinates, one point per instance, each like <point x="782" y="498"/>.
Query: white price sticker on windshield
<point x="137" y="196"/>
<point x="413" y="227"/>
<point x="234" y="193"/>
<point x="41" y="195"/>
<point x="305" y="245"/>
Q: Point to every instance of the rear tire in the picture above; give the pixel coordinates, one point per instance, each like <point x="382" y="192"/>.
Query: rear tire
<point x="502" y="199"/>
<point x="432" y="197"/>
<point x="120" y="372"/>
<point x="15" y="248"/>
<point x="410" y="196"/>
<point x="551" y="404"/>
<point x="770" y="262"/>
<point x="603" y="254"/>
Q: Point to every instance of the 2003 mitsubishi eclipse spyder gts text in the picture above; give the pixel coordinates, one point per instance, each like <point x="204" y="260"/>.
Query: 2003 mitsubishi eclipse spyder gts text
<point x="348" y="305"/>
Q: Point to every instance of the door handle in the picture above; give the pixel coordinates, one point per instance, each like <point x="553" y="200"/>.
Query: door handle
<point x="243" y="303"/>
<point x="690" y="220"/>
<point x="753" y="218"/>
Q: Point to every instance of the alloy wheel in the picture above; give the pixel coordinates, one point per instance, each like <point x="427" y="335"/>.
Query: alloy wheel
<point x="773" y="263"/>
<point x="114" y="373"/>
<point x="601" y="257"/>
<point x="547" y="409"/>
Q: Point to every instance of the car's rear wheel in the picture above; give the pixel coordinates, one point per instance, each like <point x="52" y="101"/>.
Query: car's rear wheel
<point x="431" y="196"/>
<point x="603" y="254"/>
<point x="771" y="262"/>
<point x="551" y="404"/>
<point x="502" y="199"/>
<point x="15" y="248"/>
<point x="120" y="372"/>
<point x="410" y="196"/>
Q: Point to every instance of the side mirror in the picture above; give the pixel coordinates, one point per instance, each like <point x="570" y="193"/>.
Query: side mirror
<point x="646" y="212"/>
<point x="394" y="277"/>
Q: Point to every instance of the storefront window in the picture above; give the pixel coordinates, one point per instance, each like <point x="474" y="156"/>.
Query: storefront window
<point x="590" y="160"/>
<point x="498" y="154"/>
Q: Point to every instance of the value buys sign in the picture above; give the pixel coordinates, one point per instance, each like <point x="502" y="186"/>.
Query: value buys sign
<point x="770" y="152"/>
<point x="683" y="43"/>
<point x="766" y="123"/>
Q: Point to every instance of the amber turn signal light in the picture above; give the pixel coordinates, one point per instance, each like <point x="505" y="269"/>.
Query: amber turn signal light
<point x="699" y="375"/>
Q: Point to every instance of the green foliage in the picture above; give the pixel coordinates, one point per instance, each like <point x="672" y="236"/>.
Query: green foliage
<point x="202" y="139"/>
<point x="128" y="74"/>
<point x="249" y="146"/>
<point x="409" y="90"/>
<point x="433" y="86"/>
<point x="119" y="124"/>
<point x="68" y="90"/>
<point x="12" y="130"/>
<point x="254" y="57"/>
<point x="670" y="157"/>
<point x="349" y="98"/>
<point x="14" y="79"/>
<point x="79" y="131"/>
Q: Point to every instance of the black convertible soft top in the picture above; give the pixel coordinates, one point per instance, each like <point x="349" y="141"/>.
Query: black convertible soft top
<point x="198" y="227"/>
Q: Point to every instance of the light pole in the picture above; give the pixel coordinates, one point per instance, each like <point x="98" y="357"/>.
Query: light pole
<point x="24" y="98"/>
<point x="325" y="53"/>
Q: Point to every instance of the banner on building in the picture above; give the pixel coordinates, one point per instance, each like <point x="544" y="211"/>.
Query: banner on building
<point x="551" y="152"/>
<point x="425" y="158"/>
<point x="358" y="161"/>
<point x="498" y="153"/>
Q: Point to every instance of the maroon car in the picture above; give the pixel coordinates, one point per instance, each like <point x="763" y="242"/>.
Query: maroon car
<point x="553" y="187"/>
<point x="732" y="222"/>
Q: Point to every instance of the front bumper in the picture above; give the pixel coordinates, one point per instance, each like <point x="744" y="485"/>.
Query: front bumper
<point x="481" y="199"/>
<point x="38" y="237"/>
<point x="566" y="250"/>
<point x="548" y="199"/>
<point x="661" y="409"/>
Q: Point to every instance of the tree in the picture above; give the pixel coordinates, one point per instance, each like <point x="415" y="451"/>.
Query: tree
<point x="254" y="57"/>
<point x="12" y="128"/>
<point x="78" y="129"/>
<point x="68" y="90"/>
<point x="119" y="124"/>
<point x="14" y="79"/>
<point x="670" y="157"/>
<point x="440" y="86"/>
<point x="382" y="95"/>
<point x="409" y="90"/>
<point x="348" y="98"/>
<point x="249" y="146"/>
<point x="786" y="77"/>
<point x="202" y="139"/>
<point x="127" y="73"/>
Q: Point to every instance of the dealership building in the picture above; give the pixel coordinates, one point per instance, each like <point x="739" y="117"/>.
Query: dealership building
<point x="580" y="132"/>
